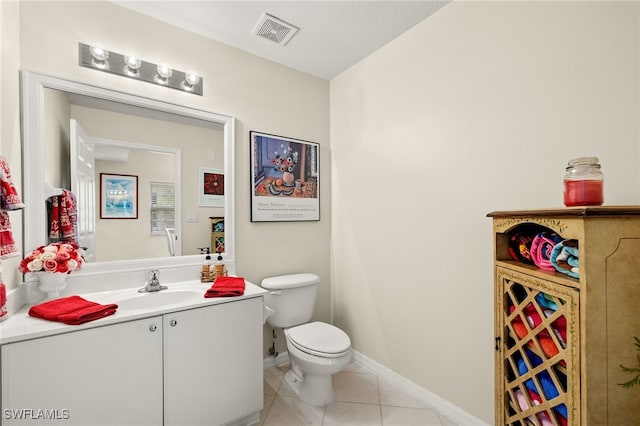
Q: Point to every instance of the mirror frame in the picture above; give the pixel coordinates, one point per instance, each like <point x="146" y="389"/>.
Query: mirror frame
<point x="34" y="223"/>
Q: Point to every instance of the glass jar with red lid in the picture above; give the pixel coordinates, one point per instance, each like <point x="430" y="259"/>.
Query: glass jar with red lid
<point x="583" y="182"/>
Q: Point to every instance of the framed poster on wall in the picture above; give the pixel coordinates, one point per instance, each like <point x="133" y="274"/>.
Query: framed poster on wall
<point x="285" y="179"/>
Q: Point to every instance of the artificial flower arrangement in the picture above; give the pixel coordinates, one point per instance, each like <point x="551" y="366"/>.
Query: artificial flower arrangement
<point x="286" y="162"/>
<point x="62" y="257"/>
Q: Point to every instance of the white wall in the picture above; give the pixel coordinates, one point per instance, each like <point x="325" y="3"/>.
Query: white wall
<point x="10" y="123"/>
<point x="477" y="108"/>
<point x="262" y="95"/>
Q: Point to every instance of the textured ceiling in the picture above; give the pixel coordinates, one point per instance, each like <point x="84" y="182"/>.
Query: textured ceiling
<point x="333" y="35"/>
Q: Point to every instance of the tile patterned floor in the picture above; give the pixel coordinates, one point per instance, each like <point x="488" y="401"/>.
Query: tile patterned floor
<point x="361" y="398"/>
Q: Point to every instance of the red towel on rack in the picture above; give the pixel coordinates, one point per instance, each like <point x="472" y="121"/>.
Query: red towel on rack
<point x="63" y="217"/>
<point x="9" y="198"/>
<point x="73" y="310"/>
<point x="3" y="300"/>
<point x="226" y="286"/>
<point x="7" y="243"/>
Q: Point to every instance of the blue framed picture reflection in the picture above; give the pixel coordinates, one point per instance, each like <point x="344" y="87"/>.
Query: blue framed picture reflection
<point x="118" y="196"/>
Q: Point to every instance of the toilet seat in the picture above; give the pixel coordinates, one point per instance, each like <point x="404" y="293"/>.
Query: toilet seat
<point x="319" y="339"/>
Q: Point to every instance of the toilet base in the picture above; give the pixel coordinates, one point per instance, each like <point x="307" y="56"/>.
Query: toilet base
<point x="314" y="390"/>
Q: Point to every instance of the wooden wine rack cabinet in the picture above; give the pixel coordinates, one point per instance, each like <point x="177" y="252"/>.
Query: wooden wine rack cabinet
<point x="560" y="341"/>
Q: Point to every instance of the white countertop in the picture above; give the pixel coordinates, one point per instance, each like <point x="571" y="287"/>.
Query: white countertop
<point x="20" y="326"/>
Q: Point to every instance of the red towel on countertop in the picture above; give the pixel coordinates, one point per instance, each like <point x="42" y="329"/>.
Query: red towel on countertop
<point x="226" y="286"/>
<point x="73" y="310"/>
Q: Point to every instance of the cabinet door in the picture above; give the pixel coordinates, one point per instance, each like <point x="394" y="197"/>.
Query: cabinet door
<point x="537" y="363"/>
<point x="213" y="363"/>
<point x="109" y="375"/>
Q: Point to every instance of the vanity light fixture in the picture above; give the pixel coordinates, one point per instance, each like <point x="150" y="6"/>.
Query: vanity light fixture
<point x="99" y="58"/>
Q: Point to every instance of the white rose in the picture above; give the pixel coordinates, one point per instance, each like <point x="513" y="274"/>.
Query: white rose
<point x="48" y="255"/>
<point x="72" y="265"/>
<point x="35" y="265"/>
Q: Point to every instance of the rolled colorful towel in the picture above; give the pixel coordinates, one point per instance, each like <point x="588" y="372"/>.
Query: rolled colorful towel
<point x="565" y="258"/>
<point x="541" y="248"/>
<point x="546" y="301"/>
<point x="548" y="388"/>
<point x="520" y="245"/>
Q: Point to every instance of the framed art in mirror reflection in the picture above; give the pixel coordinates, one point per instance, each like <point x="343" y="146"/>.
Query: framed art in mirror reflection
<point x="118" y="196"/>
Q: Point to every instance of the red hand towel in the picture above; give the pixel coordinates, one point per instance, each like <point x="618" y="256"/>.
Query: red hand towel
<point x="226" y="286"/>
<point x="3" y="294"/>
<point x="3" y="301"/>
<point x="73" y="310"/>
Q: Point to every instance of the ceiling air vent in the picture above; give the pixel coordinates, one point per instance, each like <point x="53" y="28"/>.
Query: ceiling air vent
<point x="274" y="29"/>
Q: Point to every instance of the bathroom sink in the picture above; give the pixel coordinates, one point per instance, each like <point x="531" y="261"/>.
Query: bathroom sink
<point x="159" y="299"/>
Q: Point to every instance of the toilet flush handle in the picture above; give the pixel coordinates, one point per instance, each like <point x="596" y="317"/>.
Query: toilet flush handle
<point x="276" y="292"/>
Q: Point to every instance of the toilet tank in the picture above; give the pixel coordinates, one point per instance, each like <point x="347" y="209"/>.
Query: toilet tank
<point x="292" y="297"/>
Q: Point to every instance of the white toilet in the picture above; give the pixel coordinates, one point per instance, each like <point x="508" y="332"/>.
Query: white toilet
<point x="317" y="350"/>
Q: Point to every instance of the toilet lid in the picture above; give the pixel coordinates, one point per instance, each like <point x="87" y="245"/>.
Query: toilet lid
<point x="319" y="338"/>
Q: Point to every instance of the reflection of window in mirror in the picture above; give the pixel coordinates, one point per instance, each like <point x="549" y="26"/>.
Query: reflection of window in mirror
<point x="163" y="204"/>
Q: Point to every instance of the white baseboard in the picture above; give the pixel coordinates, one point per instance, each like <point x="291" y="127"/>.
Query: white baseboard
<point x="441" y="405"/>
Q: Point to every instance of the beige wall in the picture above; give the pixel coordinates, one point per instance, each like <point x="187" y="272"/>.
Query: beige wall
<point x="235" y="83"/>
<point x="477" y="108"/>
<point x="111" y="234"/>
<point x="10" y="122"/>
<point x="56" y="139"/>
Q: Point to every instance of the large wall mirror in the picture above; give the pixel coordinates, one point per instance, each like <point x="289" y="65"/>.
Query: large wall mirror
<point x="165" y="147"/>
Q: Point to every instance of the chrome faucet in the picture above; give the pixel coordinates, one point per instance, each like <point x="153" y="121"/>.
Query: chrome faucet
<point x="153" y="284"/>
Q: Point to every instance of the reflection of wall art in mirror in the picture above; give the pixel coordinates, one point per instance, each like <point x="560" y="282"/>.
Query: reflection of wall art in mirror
<point x="118" y="196"/>
<point x="285" y="176"/>
<point x="211" y="187"/>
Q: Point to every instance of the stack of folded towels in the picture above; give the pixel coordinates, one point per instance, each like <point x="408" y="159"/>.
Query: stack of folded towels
<point x="225" y="287"/>
<point x="73" y="310"/>
<point x="544" y="249"/>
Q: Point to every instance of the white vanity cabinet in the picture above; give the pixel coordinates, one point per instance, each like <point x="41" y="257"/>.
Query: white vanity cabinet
<point x="200" y="366"/>
<point x="102" y="375"/>
<point x="213" y="364"/>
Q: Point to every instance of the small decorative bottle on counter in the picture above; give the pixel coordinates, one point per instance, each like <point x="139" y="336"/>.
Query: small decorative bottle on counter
<point x="206" y="276"/>
<point x="218" y="269"/>
<point x="583" y="183"/>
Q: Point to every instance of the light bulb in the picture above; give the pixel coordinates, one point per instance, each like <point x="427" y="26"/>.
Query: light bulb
<point x="190" y="80"/>
<point x="132" y="65"/>
<point x="164" y="72"/>
<point x="98" y="52"/>
<point x="100" y="56"/>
